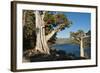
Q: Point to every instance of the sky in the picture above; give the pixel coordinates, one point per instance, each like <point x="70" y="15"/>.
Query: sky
<point x="80" y="21"/>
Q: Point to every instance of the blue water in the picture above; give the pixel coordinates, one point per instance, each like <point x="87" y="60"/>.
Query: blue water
<point x="71" y="48"/>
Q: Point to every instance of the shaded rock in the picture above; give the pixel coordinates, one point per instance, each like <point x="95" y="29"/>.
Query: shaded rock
<point x="55" y="55"/>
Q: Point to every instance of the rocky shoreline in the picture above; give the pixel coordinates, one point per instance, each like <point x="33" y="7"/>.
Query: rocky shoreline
<point x="55" y="55"/>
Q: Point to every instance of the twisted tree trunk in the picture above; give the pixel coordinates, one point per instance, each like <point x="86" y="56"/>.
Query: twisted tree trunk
<point x="41" y="40"/>
<point x="81" y="48"/>
<point x="41" y="43"/>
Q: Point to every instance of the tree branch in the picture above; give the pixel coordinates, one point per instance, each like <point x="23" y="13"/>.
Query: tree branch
<point x="78" y="39"/>
<point x="43" y="15"/>
<point x="53" y="32"/>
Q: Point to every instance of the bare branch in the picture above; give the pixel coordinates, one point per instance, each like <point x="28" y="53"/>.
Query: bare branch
<point x="78" y="39"/>
<point x="57" y="29"/>
<point x="43" y="15"/>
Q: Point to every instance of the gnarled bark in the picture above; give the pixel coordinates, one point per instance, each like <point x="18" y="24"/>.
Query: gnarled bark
<point x="53" y="32"/>
<point x="41" y="43"/>
<point x="81" y="48"/>
<point x="82" y="54"/>
<point x="38" y="37"/>
<point x="41" y="40"/>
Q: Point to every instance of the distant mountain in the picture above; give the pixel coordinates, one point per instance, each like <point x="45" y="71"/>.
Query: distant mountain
<point x="63" y="40"/>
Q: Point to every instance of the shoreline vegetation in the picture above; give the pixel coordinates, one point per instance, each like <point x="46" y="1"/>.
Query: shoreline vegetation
<point x="55" y="54"/>
<point x="40" y="30"/>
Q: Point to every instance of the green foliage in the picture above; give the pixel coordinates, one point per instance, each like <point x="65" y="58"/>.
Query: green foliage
<point x="88" y="33"/>
<point x="29" y="35"/>
<point x="51" y="20"/>
<point x="76" y="36"/>
<point x="29" y="24"/>
<point x="87" y="41"/>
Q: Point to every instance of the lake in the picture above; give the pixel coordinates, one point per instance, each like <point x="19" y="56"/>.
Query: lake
<point x="72" y="48"/>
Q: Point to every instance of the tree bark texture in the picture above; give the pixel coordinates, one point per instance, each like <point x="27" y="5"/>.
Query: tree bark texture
<point x="81" y="48"/>
<point x="41" y="43"/>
